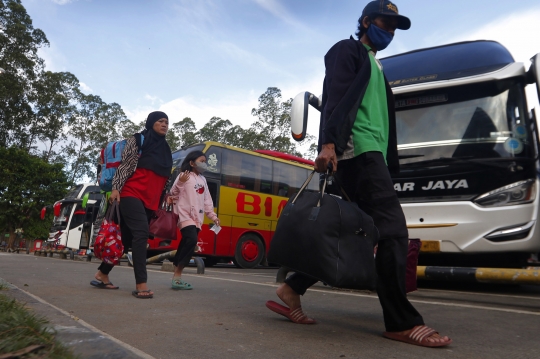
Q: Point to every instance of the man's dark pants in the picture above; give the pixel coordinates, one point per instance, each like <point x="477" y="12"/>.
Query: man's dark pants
<point x="365" y="178"/>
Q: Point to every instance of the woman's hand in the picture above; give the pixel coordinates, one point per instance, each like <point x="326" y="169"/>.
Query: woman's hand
<point x="184" y="176"/>
<point x="217" y="221"/>
<point x="115" y="195"/>
<point x="170" y="200"/>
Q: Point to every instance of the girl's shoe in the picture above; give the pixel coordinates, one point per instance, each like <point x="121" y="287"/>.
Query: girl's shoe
<point x="178" y="283"/>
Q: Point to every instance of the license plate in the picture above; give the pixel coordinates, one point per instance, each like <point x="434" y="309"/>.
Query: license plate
<point x="431" y="246"/>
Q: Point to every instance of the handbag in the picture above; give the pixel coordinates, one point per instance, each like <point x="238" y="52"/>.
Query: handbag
<point x="108" y="245"/>
<point x="164" y="223"/>
<point x="327" y="238"/>
<point x="412" y="264"/>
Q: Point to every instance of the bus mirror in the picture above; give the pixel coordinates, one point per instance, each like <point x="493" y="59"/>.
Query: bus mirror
<point x="85" y="200"/>
<point x="57" y="207"/>
<point x="535" y="72"/>
<point x="43" y="211"/>
<point x="299" y="113"/>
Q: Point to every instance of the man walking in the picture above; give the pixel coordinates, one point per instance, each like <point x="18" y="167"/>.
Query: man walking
<point x="358" y="138"/>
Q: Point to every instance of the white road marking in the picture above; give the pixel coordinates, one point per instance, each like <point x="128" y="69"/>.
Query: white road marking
<point x="505" y="310"/>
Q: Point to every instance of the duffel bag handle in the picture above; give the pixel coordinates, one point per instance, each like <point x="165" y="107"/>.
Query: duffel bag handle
<point x="310" y="177"/>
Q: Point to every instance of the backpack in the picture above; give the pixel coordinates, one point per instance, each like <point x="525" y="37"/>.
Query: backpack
<point x="111" y="157"/>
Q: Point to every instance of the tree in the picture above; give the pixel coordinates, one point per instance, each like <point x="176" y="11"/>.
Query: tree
<point x="182" y="133"/>
<point x="94" y="124"/>
<point x="274" y="120"/>
<point x="19" y="44"/>
<point x="57" y="94"/>
<point x="27" y="183"/>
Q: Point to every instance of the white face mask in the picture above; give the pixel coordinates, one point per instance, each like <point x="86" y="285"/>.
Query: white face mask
<point x="201" y="166"/>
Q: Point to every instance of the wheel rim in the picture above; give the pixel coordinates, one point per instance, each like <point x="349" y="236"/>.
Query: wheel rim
<point x="250" y="251"/>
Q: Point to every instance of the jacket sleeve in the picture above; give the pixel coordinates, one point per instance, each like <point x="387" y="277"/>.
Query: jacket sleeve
<point x="208" y="204"/>
<point x="342" y="63"/>
<point x="130" y="157"/>
<point x="177" y="188"/>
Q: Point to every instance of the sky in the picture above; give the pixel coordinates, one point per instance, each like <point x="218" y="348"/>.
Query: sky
<point x="205" y="58"/>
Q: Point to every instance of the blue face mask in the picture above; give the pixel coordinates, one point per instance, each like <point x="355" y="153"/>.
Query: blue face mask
<point x="379" y="37"/>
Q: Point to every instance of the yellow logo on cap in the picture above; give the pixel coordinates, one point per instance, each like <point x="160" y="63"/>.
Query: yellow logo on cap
<point x="392" y="7"/>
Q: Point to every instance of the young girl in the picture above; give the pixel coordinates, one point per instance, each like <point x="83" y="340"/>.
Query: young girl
<point x="191" y="200"/>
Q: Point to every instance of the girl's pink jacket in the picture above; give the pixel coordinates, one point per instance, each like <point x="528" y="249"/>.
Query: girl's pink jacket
<point x="193" y="200"/>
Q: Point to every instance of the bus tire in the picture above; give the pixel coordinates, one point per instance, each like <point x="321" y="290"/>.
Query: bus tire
<point x="249" y="251"/>
<point x="210" y="261"/>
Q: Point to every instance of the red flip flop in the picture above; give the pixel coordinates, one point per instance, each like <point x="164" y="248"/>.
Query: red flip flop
<point x="418" y="336"/>
<point x="296" y="316"/>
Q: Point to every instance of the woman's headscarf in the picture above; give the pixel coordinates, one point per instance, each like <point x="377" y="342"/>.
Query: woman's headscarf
<point x="156" y="153"/>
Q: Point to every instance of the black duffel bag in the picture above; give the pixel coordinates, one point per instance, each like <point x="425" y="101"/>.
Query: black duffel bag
<point x="326" y="238"/>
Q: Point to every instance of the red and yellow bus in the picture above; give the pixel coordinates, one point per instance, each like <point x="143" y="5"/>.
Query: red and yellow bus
<point x="249" y="190"/>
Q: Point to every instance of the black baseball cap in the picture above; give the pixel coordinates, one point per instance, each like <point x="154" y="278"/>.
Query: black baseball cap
<point x="386" y="8"/>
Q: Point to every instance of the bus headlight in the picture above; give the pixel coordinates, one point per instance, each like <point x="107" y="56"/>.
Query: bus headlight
<point x="513" y="194"/>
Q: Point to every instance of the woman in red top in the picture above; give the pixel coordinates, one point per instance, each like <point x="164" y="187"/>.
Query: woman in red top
<point x="137" y="186"/>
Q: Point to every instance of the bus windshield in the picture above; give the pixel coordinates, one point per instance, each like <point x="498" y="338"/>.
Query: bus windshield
<point x="178" y="156"/>
<point x="467" y="122"/>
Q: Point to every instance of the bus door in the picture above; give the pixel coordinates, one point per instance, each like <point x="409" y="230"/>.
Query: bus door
<point x="75" y="227"/>
<point x="91" y="204"/>
<point x="207" y="238"/>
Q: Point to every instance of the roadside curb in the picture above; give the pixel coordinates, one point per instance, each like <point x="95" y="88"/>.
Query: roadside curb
<point x="82" y="338"/>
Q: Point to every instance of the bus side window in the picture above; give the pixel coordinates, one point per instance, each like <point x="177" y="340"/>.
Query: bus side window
<point x="287" y="179"/>
<point x="244" y="171"/>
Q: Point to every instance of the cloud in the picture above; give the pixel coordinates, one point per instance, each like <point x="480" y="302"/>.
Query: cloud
<point x="62" y="2"/>
<point x="199" y="15"/>
<point x="85" y="87"/>
<point x="237" y="110"/>
<point x="254" y="60"/>
<point x="275" y="8"/>
<point x="516" y="32"/>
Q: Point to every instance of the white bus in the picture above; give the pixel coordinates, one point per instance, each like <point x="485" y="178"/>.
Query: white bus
<point x="74" y="215"/>
<point x="468" y="150"/>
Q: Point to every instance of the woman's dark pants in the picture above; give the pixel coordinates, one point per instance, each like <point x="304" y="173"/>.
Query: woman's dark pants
<point x="134" y="220"/>
<point x="366" y="180"/>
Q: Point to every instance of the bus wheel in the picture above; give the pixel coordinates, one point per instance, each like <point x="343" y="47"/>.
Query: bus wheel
<point x="210" y="262"/>
<point x="249" y="251"/>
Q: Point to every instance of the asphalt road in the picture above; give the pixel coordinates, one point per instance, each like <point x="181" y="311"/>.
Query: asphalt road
<point x="225" y="316"/>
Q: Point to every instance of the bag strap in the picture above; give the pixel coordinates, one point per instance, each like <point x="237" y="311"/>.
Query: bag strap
<point x="113" y="209"/>
<point x="304" y="186"/>
<point x="321" y="193"/>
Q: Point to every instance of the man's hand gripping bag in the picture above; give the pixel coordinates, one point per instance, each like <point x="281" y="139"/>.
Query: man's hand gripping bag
<point x="326" y="238"/>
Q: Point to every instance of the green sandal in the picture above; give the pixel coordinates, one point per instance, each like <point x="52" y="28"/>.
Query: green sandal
<point x="178" y="283"/>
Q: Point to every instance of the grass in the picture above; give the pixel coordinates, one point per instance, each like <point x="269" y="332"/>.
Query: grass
<point x="20" y="329"/>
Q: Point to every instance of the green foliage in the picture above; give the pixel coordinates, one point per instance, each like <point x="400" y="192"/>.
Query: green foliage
<point x="19" y="44"/>
<point x="270" y="131"/>
<point x="27" y="184"/>
<point x="20" y="329"/>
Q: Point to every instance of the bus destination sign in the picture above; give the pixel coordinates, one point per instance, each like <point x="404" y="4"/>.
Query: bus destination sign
<point x="422" y="100"/>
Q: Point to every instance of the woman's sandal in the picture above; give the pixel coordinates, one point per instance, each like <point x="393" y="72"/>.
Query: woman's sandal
<point x="296" y="316"/>
<point x="137" y="294"/>
<point x="418" y="336"/>
<point x="179" y="284"/>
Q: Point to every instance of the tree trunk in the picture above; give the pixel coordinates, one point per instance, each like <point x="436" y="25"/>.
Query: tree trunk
<point x="11" y="240"/>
